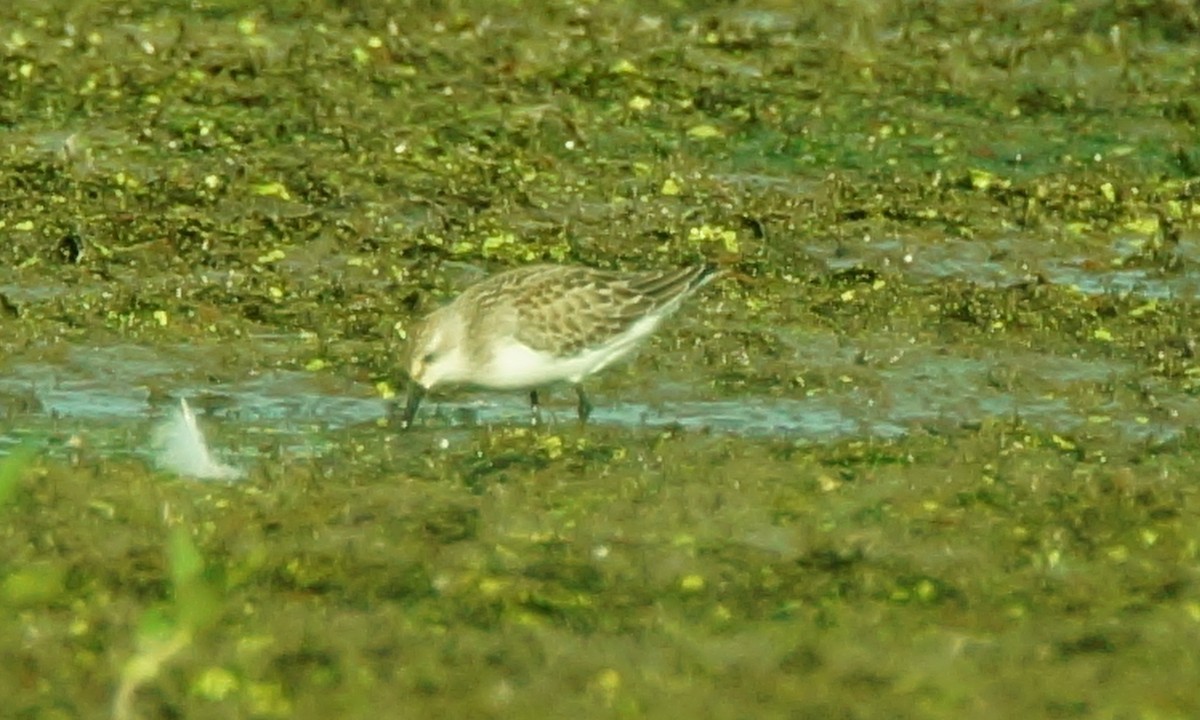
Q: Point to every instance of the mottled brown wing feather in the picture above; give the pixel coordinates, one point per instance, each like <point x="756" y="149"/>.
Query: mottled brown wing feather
<point x="570" y="309"/>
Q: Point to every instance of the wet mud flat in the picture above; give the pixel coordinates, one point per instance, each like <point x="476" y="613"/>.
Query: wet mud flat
<point x="926" y="451"/>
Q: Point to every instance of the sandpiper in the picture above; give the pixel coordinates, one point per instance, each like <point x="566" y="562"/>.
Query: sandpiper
<point x="542" y="325"/>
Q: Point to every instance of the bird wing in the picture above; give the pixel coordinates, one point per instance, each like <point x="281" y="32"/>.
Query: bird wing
<point x="566" y="310"/>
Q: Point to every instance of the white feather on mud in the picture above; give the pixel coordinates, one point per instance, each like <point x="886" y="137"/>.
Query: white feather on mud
<point x="181" y="448"/>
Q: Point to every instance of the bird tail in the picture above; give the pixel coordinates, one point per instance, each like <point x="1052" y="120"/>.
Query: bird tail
<point x="667" y="286"/>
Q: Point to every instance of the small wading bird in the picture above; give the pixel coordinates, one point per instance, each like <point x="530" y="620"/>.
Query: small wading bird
<point x="542" y="325"/>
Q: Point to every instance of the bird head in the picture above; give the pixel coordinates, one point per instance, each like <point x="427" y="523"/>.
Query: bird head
<point x="435" y="350"/>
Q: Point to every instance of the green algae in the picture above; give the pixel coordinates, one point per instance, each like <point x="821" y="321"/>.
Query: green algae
<point x="677" y="570"/>
<point x="204" y="173"/>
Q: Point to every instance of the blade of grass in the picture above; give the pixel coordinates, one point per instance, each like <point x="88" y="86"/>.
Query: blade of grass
<point x="11" y="468"/>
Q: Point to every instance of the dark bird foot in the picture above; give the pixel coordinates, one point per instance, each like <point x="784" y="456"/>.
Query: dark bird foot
<point x="585" y="405"/>
<point x="535" y="408"/>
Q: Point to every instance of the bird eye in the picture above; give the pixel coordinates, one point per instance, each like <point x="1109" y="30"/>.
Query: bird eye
<point x="428" y="357"/>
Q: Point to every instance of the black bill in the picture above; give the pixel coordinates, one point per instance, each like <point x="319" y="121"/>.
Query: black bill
<point x="415" y="393"/>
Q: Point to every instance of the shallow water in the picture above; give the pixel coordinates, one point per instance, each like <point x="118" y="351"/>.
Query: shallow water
<point x="110" y="393"/>
<point x="882" y="385"/>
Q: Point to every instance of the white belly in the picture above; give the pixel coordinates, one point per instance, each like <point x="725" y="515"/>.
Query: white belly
<point x="514" y="365"/>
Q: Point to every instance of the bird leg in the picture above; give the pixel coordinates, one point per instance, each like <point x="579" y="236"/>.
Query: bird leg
<point x="535" y="407"/>
<point x="585" y="405"/>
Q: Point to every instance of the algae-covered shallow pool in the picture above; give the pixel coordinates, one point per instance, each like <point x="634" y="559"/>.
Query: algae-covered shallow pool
<point x="927" y="450"/>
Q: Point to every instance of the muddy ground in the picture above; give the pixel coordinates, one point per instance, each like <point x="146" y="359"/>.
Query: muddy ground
<point x="927" y="450"/>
